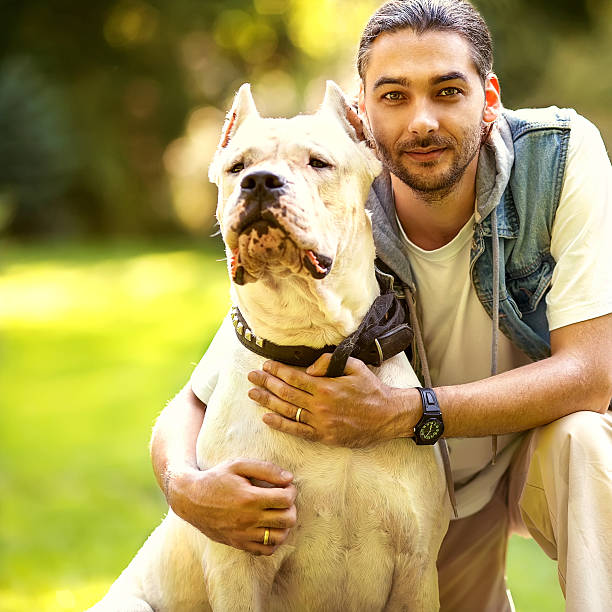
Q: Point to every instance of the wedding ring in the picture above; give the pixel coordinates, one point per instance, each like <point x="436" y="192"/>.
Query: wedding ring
<point x="266" y="536"/>
<point x="297" y="415"/>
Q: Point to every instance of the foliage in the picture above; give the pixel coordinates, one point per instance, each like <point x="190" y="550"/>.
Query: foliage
<point x="120" y="102"/>
<point x="95" y="340"/>
<point x="36" y="153"/>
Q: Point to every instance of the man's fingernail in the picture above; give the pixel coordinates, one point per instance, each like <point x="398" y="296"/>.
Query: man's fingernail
<point x="267" y="365"/>
<point x="286" y="475"/>
<point x="253" y="394"/>
<point x="252" y="377"/>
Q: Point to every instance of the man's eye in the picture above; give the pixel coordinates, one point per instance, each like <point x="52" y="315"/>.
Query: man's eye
<point x="236" y="168"/>
<point x="315" y="162"/>
<point x="449" y="91"/>
<point x="394" y="96"/>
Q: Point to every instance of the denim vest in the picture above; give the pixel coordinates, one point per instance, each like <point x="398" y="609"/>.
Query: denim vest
<point x="525" y="216"/>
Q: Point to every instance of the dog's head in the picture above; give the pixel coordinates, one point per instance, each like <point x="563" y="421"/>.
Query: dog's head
<point x="291" y="191"/>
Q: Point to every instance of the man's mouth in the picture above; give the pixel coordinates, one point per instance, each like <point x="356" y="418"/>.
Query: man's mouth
<point x="425" y="155"/>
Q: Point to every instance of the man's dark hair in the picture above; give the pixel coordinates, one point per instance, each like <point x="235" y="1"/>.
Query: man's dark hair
<point x="425" y="15"/>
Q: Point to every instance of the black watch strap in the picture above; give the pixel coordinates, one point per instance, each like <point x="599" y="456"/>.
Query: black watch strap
<point x="430" y="427"/>
<point x="429" y="401"/>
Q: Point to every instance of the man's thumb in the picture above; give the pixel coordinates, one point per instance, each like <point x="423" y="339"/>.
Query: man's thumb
<point x="319" y="367"/>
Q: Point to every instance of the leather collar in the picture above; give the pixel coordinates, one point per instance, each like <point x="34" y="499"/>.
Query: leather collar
<point x="392" y="337"/>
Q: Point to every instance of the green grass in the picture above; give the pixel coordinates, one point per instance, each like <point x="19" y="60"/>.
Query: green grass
<point x="94" y="340"/>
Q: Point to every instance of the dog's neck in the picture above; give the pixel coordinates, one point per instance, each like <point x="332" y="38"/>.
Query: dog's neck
<point x="304" y="311"/>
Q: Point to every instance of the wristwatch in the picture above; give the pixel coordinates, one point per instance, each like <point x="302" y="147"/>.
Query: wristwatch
<point x="430" y="427"/>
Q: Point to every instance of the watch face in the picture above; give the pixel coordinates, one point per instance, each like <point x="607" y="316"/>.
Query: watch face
<point x="430" y="430"/>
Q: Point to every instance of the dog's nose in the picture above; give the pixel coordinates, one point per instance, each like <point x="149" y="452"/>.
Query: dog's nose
<point x="263" y="181"/>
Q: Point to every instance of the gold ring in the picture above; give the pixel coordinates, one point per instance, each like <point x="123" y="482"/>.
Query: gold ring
<point x="297" y="415"/>
<point x="266" y="536"/>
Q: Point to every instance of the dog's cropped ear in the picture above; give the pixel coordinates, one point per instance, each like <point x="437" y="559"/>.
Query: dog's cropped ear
<point x="336" y="103"/>
<point x="243" y="107"/>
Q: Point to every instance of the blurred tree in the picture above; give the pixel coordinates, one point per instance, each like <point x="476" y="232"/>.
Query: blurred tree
<point x="37" y="157"/>
<point x="119" y="104"/>
<point x="524" y="35"/>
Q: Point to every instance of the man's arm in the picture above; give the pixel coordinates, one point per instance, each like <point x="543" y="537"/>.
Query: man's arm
<point x="578" y="376"/>
<point x="221" y="501"/>
<point x="173" y="442"/>
<point x="357" y="409"/>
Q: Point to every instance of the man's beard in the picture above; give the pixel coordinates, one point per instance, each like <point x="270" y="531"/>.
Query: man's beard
<point x="434" y="185"/>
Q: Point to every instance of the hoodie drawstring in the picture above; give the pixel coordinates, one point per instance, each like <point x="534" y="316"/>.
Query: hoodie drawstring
<point x="420" y="346"/>
<point x="495" y="317"/>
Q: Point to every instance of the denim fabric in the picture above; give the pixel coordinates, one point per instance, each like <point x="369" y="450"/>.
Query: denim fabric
<point x="525" y="215"/>
<point x="520" y="173"/>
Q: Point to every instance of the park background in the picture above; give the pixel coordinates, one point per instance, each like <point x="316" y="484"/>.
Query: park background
<point x="110" y="282"/>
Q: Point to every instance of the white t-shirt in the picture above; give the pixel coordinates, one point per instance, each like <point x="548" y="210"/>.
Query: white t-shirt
<point x="457" y="331"/>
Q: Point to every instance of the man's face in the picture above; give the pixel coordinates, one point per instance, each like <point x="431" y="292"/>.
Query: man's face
<point x="424" y="101"/>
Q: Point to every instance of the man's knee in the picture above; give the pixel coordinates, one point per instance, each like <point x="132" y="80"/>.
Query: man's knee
<point x="565" y="453"/>
<point x="562" y="450"/>
<point x="590" y="431"/>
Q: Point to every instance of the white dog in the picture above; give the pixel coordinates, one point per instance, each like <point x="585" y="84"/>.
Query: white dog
<point x="369" y="521"/>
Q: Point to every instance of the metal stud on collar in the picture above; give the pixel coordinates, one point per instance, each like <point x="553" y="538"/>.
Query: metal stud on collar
<point x="242" y="330"/>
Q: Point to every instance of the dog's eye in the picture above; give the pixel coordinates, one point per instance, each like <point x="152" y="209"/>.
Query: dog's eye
<point x="236" y="168"/>
<point x="315" y="162"/>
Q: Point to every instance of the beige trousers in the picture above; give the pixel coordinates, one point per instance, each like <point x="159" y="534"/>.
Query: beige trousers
<point x="558" y="489"/>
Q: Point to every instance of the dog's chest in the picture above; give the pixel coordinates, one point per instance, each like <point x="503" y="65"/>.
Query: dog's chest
<point x="332" y="482"/>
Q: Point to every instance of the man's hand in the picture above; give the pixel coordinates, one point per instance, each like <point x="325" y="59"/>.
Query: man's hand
<point x="223" y="503"/>
<point x="354" y="410"/>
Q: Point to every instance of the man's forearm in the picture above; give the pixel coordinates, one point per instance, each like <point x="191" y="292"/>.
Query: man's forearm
<point x="517" y="400"/>
<point x="173" y="442"/>
<point x="520" y="399"/>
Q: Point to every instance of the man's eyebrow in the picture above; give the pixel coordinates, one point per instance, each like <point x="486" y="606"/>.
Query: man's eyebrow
<point x="450" y="76"/>
<point x="389" y="80"/>
<point x="404" y="82"/>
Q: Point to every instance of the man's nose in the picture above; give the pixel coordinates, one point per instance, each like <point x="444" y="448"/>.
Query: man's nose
<point x="423" y="121"/>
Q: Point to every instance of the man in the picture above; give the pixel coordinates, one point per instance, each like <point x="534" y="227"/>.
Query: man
<point x="496" y="223"/>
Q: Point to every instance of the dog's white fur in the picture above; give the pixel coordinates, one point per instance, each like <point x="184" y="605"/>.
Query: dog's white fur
<point x="371" y="520"/>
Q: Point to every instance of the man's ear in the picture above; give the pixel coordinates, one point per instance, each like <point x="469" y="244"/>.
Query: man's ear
<point x="367" y="129"/>
<point x="361" y="103"/>
<point x="336" y="103"/>
<point x="242" y="107"/>
<point x="493" y="105"/>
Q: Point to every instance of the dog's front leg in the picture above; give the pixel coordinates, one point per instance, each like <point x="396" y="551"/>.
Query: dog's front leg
<point x="238" y="581"/>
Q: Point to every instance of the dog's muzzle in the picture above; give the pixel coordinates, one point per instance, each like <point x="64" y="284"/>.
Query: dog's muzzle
<point x="261" y="193"/>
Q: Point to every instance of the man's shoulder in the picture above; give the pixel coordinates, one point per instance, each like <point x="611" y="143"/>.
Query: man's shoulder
<point x="577" y="128"/>
<point x="525" y="120"/>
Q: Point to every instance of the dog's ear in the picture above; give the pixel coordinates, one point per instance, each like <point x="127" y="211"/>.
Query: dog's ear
<point x="243" y="107"/>
<point x="335" y="102"/>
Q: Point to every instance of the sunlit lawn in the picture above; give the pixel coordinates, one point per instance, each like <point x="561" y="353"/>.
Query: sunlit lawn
<point x="94" y="339"/>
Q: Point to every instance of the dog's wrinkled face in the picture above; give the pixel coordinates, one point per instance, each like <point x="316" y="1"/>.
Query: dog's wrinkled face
<point x="291" y="191"/>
